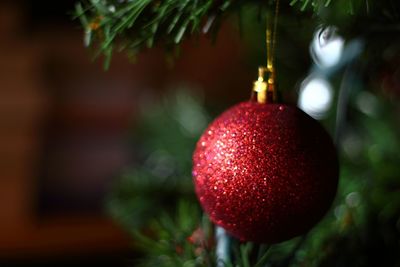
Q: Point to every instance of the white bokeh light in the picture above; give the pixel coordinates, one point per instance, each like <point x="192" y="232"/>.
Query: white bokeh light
<point x="315" y="97"/>
<point x="326" y="47"/>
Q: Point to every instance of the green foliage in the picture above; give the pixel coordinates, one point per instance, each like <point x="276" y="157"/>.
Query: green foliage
<point x="361" y="229"/>
<point x="136" y="25"/>
<point x="142" y="23"/>
<point x="180" y="241"/>
<point x="163" y="142"/>
<point x="133" y="26"/>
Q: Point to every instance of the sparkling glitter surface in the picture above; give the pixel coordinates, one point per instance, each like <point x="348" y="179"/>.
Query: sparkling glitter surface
<point x="265" y="172"/>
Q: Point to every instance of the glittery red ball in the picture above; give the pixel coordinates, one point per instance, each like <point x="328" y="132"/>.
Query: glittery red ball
<point x="265" y="172"/>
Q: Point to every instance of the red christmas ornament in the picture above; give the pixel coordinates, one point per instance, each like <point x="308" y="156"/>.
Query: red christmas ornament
<point x="265" y="172"/>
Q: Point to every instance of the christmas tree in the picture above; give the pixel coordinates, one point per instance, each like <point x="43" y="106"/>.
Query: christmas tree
<point x="351" y="88"/>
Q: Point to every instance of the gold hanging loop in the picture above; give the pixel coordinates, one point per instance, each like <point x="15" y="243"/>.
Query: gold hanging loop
<point x="265" y="91"/>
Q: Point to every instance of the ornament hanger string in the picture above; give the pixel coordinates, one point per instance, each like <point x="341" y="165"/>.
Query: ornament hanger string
<point x="266" y="91"/>
<point x="271" y="40"/>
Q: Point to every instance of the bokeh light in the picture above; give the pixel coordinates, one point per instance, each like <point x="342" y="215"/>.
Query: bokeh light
<point x="326" y="47"/>
<point x="315" y="97"/>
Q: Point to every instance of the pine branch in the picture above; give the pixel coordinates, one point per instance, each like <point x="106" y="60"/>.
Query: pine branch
<point x="140" y="24"/>
<point x="136" y="25"/>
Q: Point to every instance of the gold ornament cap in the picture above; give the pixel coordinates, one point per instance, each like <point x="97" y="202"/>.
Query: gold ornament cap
<point x="264" y="91"/>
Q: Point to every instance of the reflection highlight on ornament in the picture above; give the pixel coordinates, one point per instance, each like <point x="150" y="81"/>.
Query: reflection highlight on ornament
<point x="315" y="97"/>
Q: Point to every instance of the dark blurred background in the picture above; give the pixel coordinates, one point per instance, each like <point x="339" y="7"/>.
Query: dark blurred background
<point x="76" y="140"/>
<point x="64" y="128"/>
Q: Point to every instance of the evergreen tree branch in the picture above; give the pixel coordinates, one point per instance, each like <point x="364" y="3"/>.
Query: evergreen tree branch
<point x="140" y="24"/>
